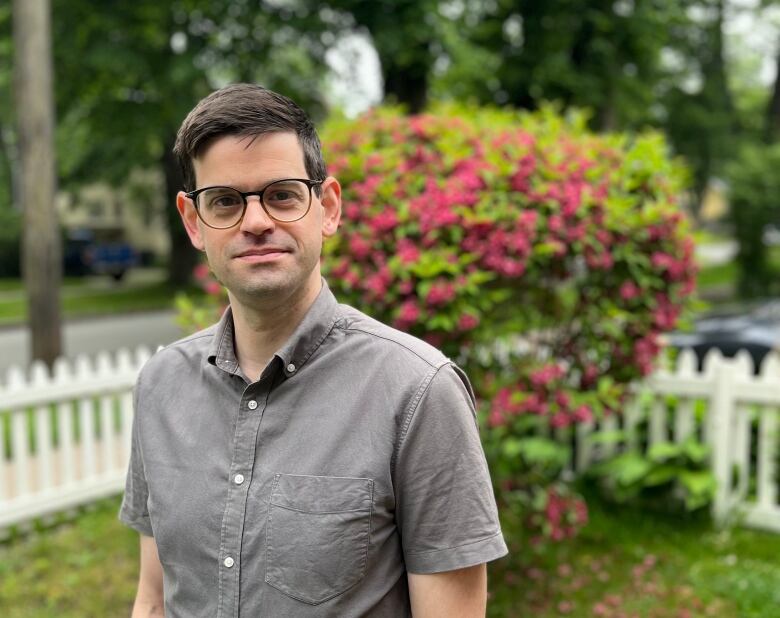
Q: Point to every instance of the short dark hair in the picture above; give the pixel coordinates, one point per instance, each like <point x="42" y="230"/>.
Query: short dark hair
<point x="245" y="110"/>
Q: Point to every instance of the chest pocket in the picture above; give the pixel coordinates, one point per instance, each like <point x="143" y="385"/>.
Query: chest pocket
<point x="317" y="535"/>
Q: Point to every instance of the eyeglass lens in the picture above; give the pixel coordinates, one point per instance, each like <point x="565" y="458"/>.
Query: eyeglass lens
<point x="286" y="200"/>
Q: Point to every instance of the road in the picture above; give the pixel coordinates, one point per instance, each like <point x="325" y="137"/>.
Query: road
<point x="89" y="336"/>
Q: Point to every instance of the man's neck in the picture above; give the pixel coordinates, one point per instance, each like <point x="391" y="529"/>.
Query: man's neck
<point x="259" y="332"/>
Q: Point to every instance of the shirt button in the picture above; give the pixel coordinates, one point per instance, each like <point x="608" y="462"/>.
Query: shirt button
<point x="291" y="368"/>
<point x="228" y="562"/>
<point x="238" y="479"/>
<point x="252" y="405"/>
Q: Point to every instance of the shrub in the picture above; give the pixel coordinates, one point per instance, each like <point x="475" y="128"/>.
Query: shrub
<point x="547" y="259"/>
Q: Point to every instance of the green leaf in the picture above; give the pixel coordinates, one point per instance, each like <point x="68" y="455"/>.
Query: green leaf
<point x="700" y="483"/>
<point x="626" y="469"/>
<point x="664" y="451"/>
<point x="544" y="452"/>
<point x="696" y="451"/>
<point x="613" y="436"/>
<point x="661" y="475"/>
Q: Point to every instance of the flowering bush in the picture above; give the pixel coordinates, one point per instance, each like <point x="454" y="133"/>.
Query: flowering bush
<point x="546" y="259"/>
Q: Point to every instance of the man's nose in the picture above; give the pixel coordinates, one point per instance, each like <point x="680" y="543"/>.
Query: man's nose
<point x="256" y="221"/>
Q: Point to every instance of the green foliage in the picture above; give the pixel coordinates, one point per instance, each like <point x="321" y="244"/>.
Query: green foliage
<point x="596" y="55"/>
<point x="668" y="475"/>
<point x="65" y="572"/>
<point x="755" y="204"/>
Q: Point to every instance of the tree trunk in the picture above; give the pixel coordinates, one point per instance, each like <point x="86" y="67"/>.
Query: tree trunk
<point x="406" y="85"/>
<point x="182" y="257"/>
<point x="42" y="247"/>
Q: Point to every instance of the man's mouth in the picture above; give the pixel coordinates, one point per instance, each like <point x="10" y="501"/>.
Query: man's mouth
<point x="261" y="254"/>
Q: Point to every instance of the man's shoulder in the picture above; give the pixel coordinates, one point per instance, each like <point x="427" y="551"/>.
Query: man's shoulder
<point x="183" y="353"/>
<point x="388" y="341"/>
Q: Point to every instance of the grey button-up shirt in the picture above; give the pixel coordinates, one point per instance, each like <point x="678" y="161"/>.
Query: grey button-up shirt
<point x="353" y="459"/>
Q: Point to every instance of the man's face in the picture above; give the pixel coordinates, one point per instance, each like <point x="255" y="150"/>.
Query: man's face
<point x="261" y="260"/>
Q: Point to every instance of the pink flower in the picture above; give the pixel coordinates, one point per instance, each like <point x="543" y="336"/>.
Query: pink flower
<point x="440" y="294"/>
<point x="408" y="314"/>
<point x="406" y="287"/>
<point x="407" y="251"/>
<point x="467" y="322"/>
<point x="496" y="418"/>
<point x="352" y="211"/>
<point x="563" y="399"/>
<point x="629" y="290"/>
<point x="542" y="377"/>
<point x="376" y="284"/>
<point x="583" y="414"/>
<point x="384" y="221"/>
<point x="565" y="607"/>
<point x="373" y="160"/>
<point x="213" y="288"/>
<point x="201" y="272"/>
<point x="359" y="246"/>
<point x="527" y="219"/>
<point x="589" y="374"/>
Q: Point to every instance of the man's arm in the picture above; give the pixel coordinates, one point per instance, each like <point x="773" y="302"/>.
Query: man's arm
<point x="149" y="598"/>
<point x="451" y="594"/>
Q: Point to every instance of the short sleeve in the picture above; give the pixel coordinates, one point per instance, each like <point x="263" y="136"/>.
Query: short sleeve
<point x="134" y="511"/>
<point x="445" y="508"/>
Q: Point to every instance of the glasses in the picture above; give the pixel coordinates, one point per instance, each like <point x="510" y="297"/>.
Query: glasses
<point x="283" y="200"/>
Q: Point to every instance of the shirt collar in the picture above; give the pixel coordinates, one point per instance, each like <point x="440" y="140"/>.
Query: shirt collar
<point x="306" y="338"/>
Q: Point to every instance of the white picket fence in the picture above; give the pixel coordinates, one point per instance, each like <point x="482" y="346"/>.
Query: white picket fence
<point x="726" y="406"/>
<point x="64" y="438"/>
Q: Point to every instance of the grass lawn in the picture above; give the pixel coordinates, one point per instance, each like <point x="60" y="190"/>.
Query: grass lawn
<point x="91" y="296"/>
<point x="629" y="563"/>
<point x="624" y="563"/>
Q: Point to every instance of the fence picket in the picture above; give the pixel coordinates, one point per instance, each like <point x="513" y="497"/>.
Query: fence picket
<point x="65" y="447"/>
<point x="67" y="452"/>
<point x="744" y="417"/>
<point x="42" y="434"/>
<point x="20" y="447"/>
<point x="5" y="481"/>
<point x="631" y="419"/>
<point x="767" y="452"/>
<point x="86" y="411"/>
<point x="584" y="450"/>
<point x="684" y="422"/>
<point x="658" y="419"/>
<point x="106" y="411"/>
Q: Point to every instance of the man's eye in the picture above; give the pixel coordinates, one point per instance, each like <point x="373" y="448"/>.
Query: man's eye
<point x="225" y="201"/>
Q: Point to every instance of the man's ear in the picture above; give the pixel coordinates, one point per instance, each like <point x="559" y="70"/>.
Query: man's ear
<point x="331" y="206"/>
<point x="190" y="219"/>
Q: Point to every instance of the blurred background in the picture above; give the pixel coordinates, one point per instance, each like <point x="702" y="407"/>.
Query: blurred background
<point x="704" y="73"/>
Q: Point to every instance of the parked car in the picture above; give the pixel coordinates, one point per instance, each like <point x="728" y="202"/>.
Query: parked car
<point x="756" y="330"/>
<point x="101" y="251"/>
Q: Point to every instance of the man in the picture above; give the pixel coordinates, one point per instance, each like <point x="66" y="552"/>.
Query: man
<point x="298" y="458"/>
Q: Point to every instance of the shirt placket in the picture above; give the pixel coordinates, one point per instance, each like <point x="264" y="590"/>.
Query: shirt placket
<point x="250" y="413"/>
